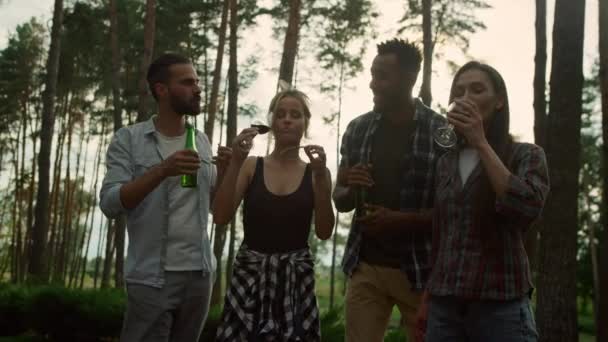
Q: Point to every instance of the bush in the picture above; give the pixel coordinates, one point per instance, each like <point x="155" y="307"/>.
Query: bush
<point x="13" y="314"/>
<point x="83" y="315"/>
<point x="61" y="314"/>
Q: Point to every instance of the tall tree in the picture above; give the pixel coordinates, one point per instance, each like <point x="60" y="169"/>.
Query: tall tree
<point x="602" y="327"/>
<point x="540" y="111"/>
<point x="116" y="57"/>
<point x="231" y="125"/>
<point x="117" y="115"/>
<point x="37" y="267"/>
<point x="540" y="67"/>
<point x="217" y="73"/>
<point x="427" y="51"/>
<point x="556" y="308"/>
<point x="290" y="44"/>
<point x="149" y="33"/>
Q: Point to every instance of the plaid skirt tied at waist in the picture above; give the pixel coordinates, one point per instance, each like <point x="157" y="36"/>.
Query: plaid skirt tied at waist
<point x="271" y="298"/>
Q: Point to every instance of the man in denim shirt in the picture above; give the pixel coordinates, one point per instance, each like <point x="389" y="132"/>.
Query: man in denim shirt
<point x="169" y="267"/>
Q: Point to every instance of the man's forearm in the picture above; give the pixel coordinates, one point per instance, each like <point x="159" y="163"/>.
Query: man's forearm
<point x="343" y="199"/>
<point x="132" y="193"/>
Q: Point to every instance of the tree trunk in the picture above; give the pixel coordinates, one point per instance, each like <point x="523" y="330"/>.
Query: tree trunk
<point x="540" y="117"/>
<point x="21" y="242"/>
<point x="290" y="45"/>
<point x="120" y="228"/>
<point x="89" y="234"/>
<point x="32" y="189"/>
<point x="337" y="224"/>
<point x="100" y="244"/>
<point x="116" y="100"/>
<point x="75" y="246"/>
<point x="60" y="261"/>
<point x="206" y="87"/>
<point x="37" y="268"/>
<point x="233" y="89"/>
<point x="149" y="30"/>
<point x="119" y="242"/>
<point x="427" y="42"/>
<point x="231" y="251"/>
<point x="540" y="67"/>
<point x="602" y="327"/>
<point x="217" y="74"/>
<point x="233" y="75"/>
<point x="556" y="309"/>
<point x="54" y="206"/>
<point x="109" y="256"/>
<point x="15" y="214"/>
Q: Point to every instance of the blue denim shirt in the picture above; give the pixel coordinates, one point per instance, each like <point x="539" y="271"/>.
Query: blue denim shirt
<point x="132" y="152"/>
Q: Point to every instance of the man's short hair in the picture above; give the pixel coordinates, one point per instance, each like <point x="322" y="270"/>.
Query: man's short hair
<point x="408" y="54"/>
<point x="158" y="72"/>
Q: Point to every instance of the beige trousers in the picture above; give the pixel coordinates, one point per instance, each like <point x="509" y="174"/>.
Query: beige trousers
<point x="372" y="292"/>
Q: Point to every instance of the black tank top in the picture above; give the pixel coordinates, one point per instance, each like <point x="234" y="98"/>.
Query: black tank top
<point x="273" y="223"/>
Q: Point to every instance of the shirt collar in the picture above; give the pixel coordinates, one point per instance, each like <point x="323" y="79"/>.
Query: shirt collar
<point x="149" y="127"/>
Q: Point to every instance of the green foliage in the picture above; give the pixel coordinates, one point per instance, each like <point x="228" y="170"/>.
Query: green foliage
<point x="86" y="314"/>
<point x="13" y="304"/>
<point x="395" y="335"/>
<point x="332" y="325"/>
<point x="60" y="313"/>
<point x="340" y="23"/>
<point x="342" y="30"/>
<point x="453" y="21"/>
<point x="21" y="63"/>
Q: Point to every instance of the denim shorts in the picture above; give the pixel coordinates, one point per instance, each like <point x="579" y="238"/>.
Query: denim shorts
<point x="455" y="319"/>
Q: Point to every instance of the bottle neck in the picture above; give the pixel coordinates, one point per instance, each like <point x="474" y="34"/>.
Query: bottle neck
<point x="190" y="137"/>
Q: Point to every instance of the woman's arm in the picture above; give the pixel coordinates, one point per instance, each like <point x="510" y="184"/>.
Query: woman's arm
<point x="321" y="183"/>
<point x="235" y="181"/>
<point x="324" y="213"/>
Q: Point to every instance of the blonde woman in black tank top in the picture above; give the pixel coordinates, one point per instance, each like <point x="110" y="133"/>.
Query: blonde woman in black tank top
<point x="271" y="295"/>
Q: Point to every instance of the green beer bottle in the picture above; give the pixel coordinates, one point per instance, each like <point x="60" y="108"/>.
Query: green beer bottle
<point x="190" y="181"/>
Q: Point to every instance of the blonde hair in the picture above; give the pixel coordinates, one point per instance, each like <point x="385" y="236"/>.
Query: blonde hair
<point x="296" y="94"/>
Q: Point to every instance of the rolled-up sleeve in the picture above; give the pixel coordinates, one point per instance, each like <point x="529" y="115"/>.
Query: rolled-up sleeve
<point x="528" y="186"/>
<point x="119" y="171"/>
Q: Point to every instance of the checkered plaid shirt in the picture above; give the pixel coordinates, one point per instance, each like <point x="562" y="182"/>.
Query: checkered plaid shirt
<point x="481" y="262"/>
<point x="416" y="186"/>
<point x="271" y="298"/>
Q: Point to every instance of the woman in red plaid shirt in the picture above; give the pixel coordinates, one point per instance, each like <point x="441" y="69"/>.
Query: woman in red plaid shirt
<point x="489" y="190"/>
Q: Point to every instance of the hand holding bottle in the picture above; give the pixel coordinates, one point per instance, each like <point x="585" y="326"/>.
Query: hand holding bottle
<point x="183" y="162"/>
<point x="189" y="179"/>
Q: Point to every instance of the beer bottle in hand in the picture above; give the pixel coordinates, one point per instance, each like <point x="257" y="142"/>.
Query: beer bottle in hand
<point x="190" y="181"/>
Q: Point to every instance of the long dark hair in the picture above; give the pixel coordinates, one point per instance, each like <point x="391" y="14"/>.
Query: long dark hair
<point x="497" y="133"/>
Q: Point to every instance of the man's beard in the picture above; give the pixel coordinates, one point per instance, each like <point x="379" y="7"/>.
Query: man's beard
<point x="183" y="107"/>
